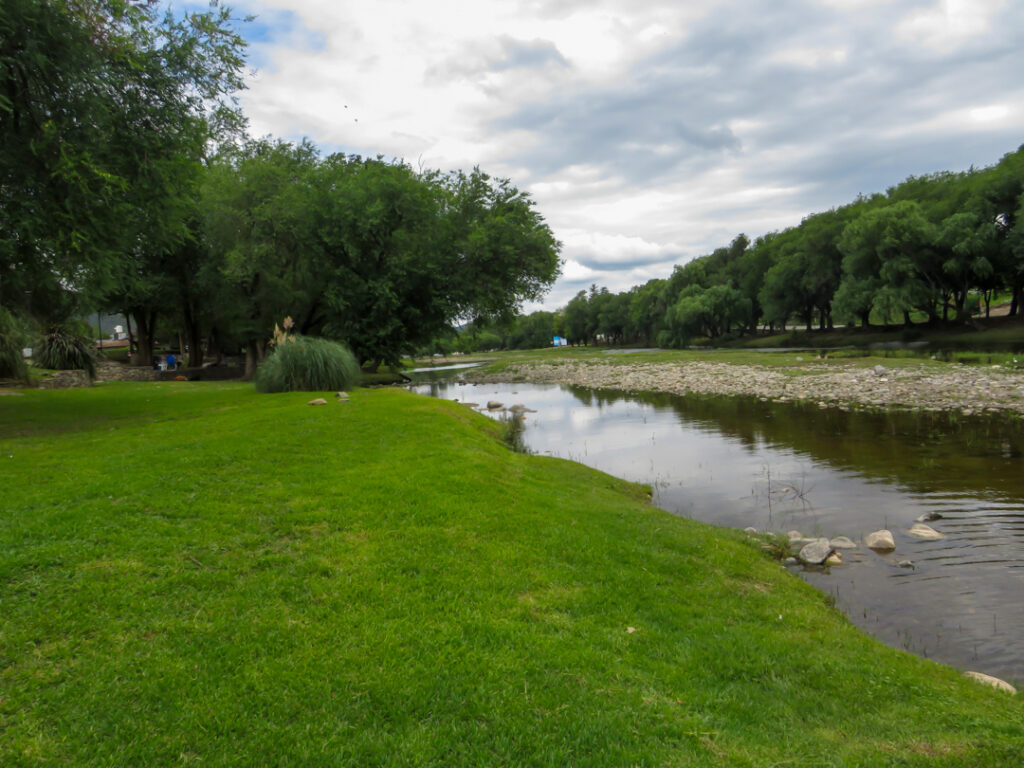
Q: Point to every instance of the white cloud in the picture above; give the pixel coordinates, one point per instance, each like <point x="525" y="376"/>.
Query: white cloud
<point x="950" y="22"/>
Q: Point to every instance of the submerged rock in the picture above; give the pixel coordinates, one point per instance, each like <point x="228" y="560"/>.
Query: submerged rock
<point x="880" y="541"/>
<point x="493" y="405"/>
<point x="927" y="517"/>
<point x="842" y="542"/>
<point x="922" y="531"/>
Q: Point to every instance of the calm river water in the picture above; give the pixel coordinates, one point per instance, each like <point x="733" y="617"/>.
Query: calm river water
<point x="777" y="467"/>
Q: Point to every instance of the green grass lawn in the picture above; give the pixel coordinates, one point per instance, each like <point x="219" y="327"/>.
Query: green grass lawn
<point x="194" y="574"/>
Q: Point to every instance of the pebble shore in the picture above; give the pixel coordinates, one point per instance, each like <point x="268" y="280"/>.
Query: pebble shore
<point x="956" y="388"/>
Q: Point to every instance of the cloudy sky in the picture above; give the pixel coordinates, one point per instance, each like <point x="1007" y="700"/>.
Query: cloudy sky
<point x="649" y="132"/>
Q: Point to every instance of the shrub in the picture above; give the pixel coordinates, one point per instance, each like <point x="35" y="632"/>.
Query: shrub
<point x="12" y="364"/>
<point x="64" y="348"/>
<point x="304" y="363"/>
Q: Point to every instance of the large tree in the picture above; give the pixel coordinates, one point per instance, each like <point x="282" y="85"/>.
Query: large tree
<point x="105" y="109"/>
<point x="408" y="254"/>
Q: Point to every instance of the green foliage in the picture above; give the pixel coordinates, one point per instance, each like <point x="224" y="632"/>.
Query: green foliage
<point x="105" y="111"/>
<point x="12" y="336"/>
<point x="307" y="364"/>
<point x="64" y="347"/>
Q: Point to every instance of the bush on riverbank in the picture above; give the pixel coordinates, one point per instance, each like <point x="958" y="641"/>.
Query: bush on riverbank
<point x="307" y="364"/>
<point x="385" y="582"/>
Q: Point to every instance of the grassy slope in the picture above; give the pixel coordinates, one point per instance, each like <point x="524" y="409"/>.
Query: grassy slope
<point x="195" y="574"/>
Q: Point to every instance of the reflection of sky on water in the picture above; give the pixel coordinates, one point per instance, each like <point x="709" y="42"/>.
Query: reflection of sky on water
<point x="960" y="603"/>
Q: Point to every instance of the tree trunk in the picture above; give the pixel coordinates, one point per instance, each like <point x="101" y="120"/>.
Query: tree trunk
<point x="195" y="339"/>
<point x="131" y="333"/>
<point x="865" y="319"/>
<point x="907" y="322"/>
<point x="145" y="324"/>
<point x="250" y="361"/>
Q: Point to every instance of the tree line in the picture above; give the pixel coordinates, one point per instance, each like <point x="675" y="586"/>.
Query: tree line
<point x="128" y="184"/>
<point x="934" y="249"/>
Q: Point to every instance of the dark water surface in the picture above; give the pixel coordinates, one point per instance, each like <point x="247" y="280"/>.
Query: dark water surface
<point x="740" y="462"/>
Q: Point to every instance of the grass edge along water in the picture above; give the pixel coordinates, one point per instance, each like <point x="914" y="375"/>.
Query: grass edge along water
<point x="194" y="573"/>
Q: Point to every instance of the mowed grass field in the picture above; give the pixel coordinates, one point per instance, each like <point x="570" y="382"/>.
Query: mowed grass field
<point x="195" y="574"/>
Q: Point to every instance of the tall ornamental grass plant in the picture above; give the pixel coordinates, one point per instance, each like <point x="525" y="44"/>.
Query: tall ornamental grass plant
<point x="64" y="348"/>
<point x="305" y="363"/>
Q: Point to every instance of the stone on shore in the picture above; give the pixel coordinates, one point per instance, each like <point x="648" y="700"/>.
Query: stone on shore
<point x="816" y="552"/>
<point x="995" y="682"/>
<point x="317" y="401"/>
<point x="880" y="541"/>
<point x="922" y="531"/>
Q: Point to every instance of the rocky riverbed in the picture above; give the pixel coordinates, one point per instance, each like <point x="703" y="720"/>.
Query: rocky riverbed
<point x="966" y="389"/>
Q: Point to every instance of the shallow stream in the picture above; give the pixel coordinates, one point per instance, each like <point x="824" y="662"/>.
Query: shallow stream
<point x="777" y="467"/>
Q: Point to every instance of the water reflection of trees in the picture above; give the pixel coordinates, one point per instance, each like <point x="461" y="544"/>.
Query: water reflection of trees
<point x="926" y="452"/>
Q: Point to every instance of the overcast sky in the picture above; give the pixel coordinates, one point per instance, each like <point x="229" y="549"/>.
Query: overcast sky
<point x="648" y="132"/>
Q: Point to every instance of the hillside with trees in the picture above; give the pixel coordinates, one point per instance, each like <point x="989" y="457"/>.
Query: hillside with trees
<point x="933" y="250"/>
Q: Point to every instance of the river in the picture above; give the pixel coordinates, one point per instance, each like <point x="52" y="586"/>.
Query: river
<point x="742" y="462"/>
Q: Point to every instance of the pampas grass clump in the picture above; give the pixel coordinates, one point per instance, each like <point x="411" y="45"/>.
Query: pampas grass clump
<point x="63" y="349"/>
<point x="307" y="364"/>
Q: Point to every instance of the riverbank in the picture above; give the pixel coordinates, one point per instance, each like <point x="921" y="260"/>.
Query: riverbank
<point x="196" y="573"/>
<point x="907" y="384"/>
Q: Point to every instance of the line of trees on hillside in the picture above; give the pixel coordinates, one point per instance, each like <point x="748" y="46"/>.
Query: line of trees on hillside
<point x="930" y="248"/>
<point x="127" y="184"/>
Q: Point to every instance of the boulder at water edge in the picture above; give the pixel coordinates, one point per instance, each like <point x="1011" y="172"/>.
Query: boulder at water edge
<point x="995" y="682"/>
<point x="816" y="552"/>
<point x="922" y="531"/>
<point x="880" y="541"/>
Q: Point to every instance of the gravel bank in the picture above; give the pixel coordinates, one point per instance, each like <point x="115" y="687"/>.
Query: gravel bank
<point x="966" y="389"/>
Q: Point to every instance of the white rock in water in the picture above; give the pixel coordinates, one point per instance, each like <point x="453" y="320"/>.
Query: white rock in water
<point x="842" y="542"/>
<point x="795" y="545"/>
<point x="834" y="559"/>
<point x="816" y="552"/>
<point x="493" y="405"/>
<point x="880" y="541"/>
<point x="922" y="531"/>
<point x="795" y="535"/>
<point x="995" y="682"/>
